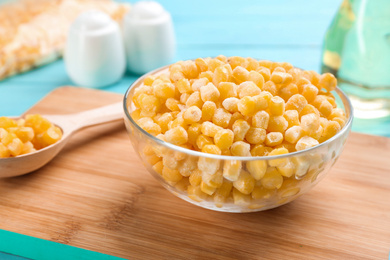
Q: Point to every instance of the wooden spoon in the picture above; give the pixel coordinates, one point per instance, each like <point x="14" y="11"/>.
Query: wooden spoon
<point x="69" y="124"/>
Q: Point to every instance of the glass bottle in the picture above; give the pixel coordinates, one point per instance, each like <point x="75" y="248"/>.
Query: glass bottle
<point x="357" y="50"/>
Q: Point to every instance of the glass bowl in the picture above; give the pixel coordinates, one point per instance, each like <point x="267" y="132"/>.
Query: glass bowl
<point x="185" y="171"/>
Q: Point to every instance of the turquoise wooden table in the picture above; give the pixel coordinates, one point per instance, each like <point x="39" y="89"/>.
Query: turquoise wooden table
<point x="281" y="30"/>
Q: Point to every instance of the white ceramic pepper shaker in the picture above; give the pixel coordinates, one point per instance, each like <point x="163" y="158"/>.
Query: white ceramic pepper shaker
<point x="148" y="36"/>
<point x="94" y="53"/>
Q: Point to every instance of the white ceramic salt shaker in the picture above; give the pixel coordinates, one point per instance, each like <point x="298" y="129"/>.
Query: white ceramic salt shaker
<point x="149" y="37"/>
<point x="94" y="53"/>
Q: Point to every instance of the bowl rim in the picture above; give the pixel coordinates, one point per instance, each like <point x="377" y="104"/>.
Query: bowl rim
<point x="348" y="108"/>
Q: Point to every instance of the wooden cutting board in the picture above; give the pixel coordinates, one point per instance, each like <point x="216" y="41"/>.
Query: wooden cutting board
<point x="98" y="196"/>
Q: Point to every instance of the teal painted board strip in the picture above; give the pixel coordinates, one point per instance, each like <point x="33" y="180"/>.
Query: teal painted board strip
<point x="36" y="248"/>
<point x="5" y="256"/>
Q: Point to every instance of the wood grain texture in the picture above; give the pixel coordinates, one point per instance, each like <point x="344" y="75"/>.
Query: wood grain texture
<point x="97" y="195"/>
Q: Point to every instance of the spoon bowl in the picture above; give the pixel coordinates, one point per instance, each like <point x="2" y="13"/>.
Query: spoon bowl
<point x="69" y="124"/>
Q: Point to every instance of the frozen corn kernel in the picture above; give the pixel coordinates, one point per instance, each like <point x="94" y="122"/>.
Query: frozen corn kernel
<point x="305" y="143"/>
<point x="147" y="124"/>
<point x="247" y="106"/>
<point x="255" y="135"/>
<point x="171" y="175"/>
<point x="50" y="136"/>
<point x="195" y="177"/>
<point x="235" y="61"/>
<point x="210" y="129"/>
<point x="195" y="193"/>
<point x="193" y="132"/>
<point x="256" y="78"/>
<point x="272" y="179"/>
<point x="288" y="91"/>
<point x="240" y="127"/>
<point x="241" y="199"/>
<point x="40" y="124"/>
<point x="227" y="90"/>
<point x="213" y="64"/>
<point x="310" y="92"/>
<point x="192" y="115"/>
<point x="259" y="192"/>
<point x="15" y="147"/>
<point x="257" y="168"/>
<point x="158" y="167"/>
<point x="325" y="108"/>
<point x="262" y="100"/>
<point x="206" y="74"/>
<point x="222" y="74"/>
<point x="260" y="150"/>
<point x="293" y="134"/>
<point x="292" y="118"/>
<point x="201" y="64"/>
<point x="4" y="152"/>
<point x="203" y="140"/>
<point x="194" y="100"/>
<point x="260" y="119"/>
<point x="240" y="74"/>
<point x="232" y="169"/>
<point x="208" y="165"/>
<point x="24" y="133"/>
<point x="277" y="124"/>
<point x="222" y="193"/>
<point x="221" y="117"/>
<point x="183" y="86"/>
<point x="179" y="121"/>
<point x="213" y="180"/>
<point x="310" y="123"/>
<point x="198" y="83"/>
<point x="240" y="148"/>
<point x="330" y="130"/>
<point x="281" y="77"/>
<point x="28" y="147"/>
<point x="231" y="104"/>
<point x="296" y="102"/>
<point x="245" y="183"/>
<point x="265" y="72"/>
<point x="224" y="138"/>
<point x="172" y="104"/>
<point x="164" y="90"/>
<point x="280" y="161"/>
<point x="211" y="148"/>
<point x="276" y="106"/>
<point x="190" y="70"/>
<point x="208" y="110"/>
<point x="327" y="81"/>
<point x="248" y="88"/>
<point x="287" y="169"/>
<point x="308" y="109"/>
<point x="177" y="135"/>
<point x="204" y="187"/>
<point x="6" y="122"/>
<point x="164" y="120"/>
<point x="209" y="93"/>
<point x="149" y="105"/>
<point x="273" y="139"/>
<point x="270" y="87"/>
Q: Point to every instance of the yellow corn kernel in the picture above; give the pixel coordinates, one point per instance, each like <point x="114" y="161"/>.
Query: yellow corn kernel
<point x="164" y="120"/>
<point x="240" y="127"/>
<point x="203" y="140"/>
<point x="256" y="78"/>
<point x="262" y="100"/>
<point x="4" y="152"/>
<point x="222" y="193"/>
<point x="310" y="123"/>
<point x="221" y="117"/>
<point x="195" y="193"/>
<point x="288" y="91"/>
<point x="208" y="165"/>
<point x="260" y="150"/>
<point x="311" y="75"/>
<point x="240" y="74"/>
<point x="308" y="109"/>
<point x="302" y="165"/>
<point x="293" y="134"/>
<point x="265" y="72"/>
<point x="177" y="135"/>
<point x="193" y="133"/>
<point x="266" y="63"/>
<point x="147" y="124"/>
<point x="235" y="61"/>
<point x="164" y="90"/>
<point x="240" y="148"/>
<point x="280" y="161"/>
<point x="276" y="106"/>
<point x="305" y="143"/>
<point x="24" y="133"/>
<point x="224" y="138"/>
<point x="194" y="100"/>
<point x="231" y="104"/>
<point x="40" y="124"/>
<point x="277" y="67"/>
<point x="195" y="177"/>
<point x="248" y="88"/>
<point x="241" y="199"/>
<point x="201" y="64"/>
<point x="317" y="134"/>
<point x="148" y="80"/>
<point x="208" y="110"/>
<point x="15" y="147"/>
<point x="192" y="115"/>
<point x="295" y="73"/>
<point x="213" y="180"/>
<point x="206" y="188"/>
<point x="179" y="121"/>
<point x="277" y="124"/>
<point x="289" y="188"/>
<point x="209" y="93"/>
<point x="211" y="148"/>
<point x="330" y="130"/>
<point x="247" y="106"/>
<point x="214" y="63"/>
<point x="172" y="104"/>
<point x="183" y="99"/>
<point x="296" y="102"/>
<point x="231" y="169"/>
<point x="222" y="74"/>
<point x="206" y="74"/>
<point x="171" y="175"/>
<point x="187" y="166"/>
<point x="222" y="58"/>
<point x="325" y="108"/>
<point x="198" y="83"/>
<point x="327" y="81"/>
<point x="260" y="119"/>
<point x="281" y="77"/>
<point x="136" y="114"/>
<point x="170" y="161"/>
<point x="257" y="168"/>
<point x="255" y="135"/>
<point x="272" y="179"/>
<point x="236" y="116"/>
<point x="292" y="117"/>
<point x="50" y="136"/>
<point x="227" y="90"/>
<point x="260" y="192"/>
<point x="183" y="85"/>
<point x="6" y="122"/>
<point x="158" y="167"/>
<point x="210" y="129"/>
<point x="270" y="87"/>
<point x="190" y="70"/>
<point x="245" y="183"/>
<point x="273" y="139"/>
<point x="310" y="92"/>
<point x="182" y="185"/>
<point x="287" y="169"/>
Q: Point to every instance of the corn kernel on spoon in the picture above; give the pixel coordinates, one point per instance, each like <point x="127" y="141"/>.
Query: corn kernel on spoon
<point x="69" y="124"/>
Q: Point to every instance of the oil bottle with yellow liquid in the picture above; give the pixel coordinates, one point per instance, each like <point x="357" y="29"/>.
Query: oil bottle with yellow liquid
<point x="357" y="51"/>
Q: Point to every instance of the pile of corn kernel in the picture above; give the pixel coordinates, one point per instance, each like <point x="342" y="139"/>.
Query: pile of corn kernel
<point x="27" y="135"/>
<point x="240" y="107"/>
